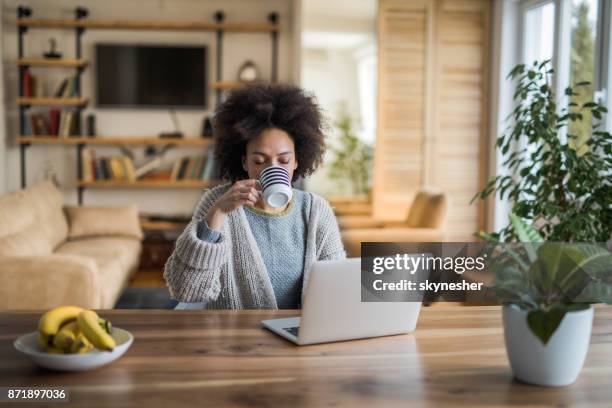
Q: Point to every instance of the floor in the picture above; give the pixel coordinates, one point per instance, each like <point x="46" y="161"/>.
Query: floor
<point x="147" y="290"/>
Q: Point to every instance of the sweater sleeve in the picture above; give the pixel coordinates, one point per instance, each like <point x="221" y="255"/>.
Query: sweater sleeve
<point x="192" y="271"/>
<point x="329" y="242"/>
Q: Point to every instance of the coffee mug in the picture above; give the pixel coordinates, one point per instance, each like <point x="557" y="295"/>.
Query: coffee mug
<point x="275" y="186"/>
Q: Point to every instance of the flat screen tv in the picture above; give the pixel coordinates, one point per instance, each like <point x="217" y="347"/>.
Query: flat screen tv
<point x="150" y="76"/>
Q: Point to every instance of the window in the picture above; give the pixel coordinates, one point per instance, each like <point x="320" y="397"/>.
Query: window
<point x="575" y="35"/>
<point x="539" y="31"/>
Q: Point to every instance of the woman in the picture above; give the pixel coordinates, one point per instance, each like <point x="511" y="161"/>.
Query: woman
<point x="237" y="252"/>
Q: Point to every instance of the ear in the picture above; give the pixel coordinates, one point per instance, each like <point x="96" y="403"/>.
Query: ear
<point x="295" y="164"/>
<point x="244" y="165"/>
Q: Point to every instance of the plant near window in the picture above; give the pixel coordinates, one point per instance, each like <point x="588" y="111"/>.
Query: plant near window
<point x="551" y="270"/>
<point x="353" y="157"/>
<point x="564" y="192"/>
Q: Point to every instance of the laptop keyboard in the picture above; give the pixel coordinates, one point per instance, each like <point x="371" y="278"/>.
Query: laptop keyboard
<point x="293" y="330"/>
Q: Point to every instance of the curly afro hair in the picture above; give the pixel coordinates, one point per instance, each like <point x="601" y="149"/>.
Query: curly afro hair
<point x="250" y="110"/>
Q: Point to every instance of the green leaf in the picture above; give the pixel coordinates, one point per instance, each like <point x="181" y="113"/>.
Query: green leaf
<point x="544" y="323"/>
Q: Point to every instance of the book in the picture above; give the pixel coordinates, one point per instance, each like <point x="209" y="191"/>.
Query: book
<point x="61" y="88"/>
<point x="99" y="170"/>
<point x="70" y="87"/>
<point x="26" y="83"/>
<point x="54" y="117"/>
<point x="210" y="165"/>
<point x="147" y="167"/>
<point x="32" y="86"/>
<point x="129" y="168"/>
<point x="189" y="167"/>
<point x="108" y="174"/>
<point x="202" y="168"/>
<point x="183" y="168"/>
<point x="86" y="171"/>
<point x="38" y="86"/>
<point x="38" y="125"/>
<point x="193" y="174"/>
<point x="116" y="169"/>
<point x="176" y="166"/>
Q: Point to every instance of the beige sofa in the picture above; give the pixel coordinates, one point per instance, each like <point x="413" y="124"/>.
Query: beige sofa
<point x="52" y="255"/>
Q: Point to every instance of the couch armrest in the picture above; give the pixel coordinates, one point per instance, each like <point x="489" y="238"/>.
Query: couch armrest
<point x="353" y="238"/>
<point x="90" y="221"/>
<point x="46" y="281"/>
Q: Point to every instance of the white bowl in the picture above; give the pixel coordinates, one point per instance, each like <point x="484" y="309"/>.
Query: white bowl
<point x="28" y="345"/>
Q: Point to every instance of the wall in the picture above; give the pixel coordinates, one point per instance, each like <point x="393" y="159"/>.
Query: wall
<point x="238" y="47"/>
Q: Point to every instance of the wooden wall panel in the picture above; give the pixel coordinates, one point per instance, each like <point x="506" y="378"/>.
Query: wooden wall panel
<point x="432" y="107"/>
<point x="398" y="160"/>
<point x="459" y="110"/>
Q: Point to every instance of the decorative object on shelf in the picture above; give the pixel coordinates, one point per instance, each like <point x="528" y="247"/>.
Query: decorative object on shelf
<point x="207" y="129"/>
<point x="248" y="72"/>
<point x="176" y="134"/>
<point x="91" y="125"/>
<point x="50" y="173"/>
<point x="52" y="53"/>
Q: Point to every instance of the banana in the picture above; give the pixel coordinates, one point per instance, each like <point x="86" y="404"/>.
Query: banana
<point x="66" y="336"/>
<point x="54" y="319"/>
<point x="81" y="344"/>
<point x="106" y="325"/>
<point x="89" y="324"/>
<point x="54" y="350"/>
<point x="44" y="341"/>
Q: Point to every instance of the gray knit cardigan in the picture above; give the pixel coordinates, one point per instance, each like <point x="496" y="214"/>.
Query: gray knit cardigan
<point x="230" y="273"/>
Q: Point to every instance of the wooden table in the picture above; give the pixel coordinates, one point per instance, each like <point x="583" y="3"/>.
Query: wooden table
<point x="211" y="358"/>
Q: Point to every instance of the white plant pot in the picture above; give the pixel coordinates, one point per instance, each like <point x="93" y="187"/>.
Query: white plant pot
<point x="556" y="364"/>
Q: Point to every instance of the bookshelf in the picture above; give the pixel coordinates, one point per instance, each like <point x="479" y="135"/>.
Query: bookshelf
<point x="46" y="101"/>
<point x="80" y="23"/>
<point x="115" y="140"/>
<point x="41" y="62"/>
<point x="149" y="184"/>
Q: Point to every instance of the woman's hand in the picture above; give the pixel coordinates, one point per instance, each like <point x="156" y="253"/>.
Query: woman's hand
<point x="240" y="193"/>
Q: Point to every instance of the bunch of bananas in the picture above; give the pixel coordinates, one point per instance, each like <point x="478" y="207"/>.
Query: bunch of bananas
<point x="71" y="329"/>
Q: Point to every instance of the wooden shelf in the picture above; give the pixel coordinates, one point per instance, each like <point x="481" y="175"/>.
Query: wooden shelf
<point x="227" y="85"/>
<point x="43" y="62"/>
<point x="78" y="101"/>
<point x="115" y="140"/>
<point x="148" y="25"/>
<point x="148" y="184"/>
<point x="149" y="225"/>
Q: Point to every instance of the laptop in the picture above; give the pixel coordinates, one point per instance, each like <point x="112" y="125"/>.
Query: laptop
<point x="333" y="310"/>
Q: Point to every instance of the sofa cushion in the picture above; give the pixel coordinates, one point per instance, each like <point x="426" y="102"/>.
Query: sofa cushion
<point x="29" y="241"/>
<point x="86" y="222"/>
<point x="116" y="258"/>
<point x="21" y="233"/>
<point x="45" y="200"/>
<point x="14" y="215"/>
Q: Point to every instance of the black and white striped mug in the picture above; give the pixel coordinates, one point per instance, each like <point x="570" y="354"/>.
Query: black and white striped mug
<point x="275" y="186"/>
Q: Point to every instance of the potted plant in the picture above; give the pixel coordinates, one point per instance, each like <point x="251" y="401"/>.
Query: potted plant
<point x="561" y="194"/>
<point x="547" y="289"/>
<point x="353" y="157"/>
